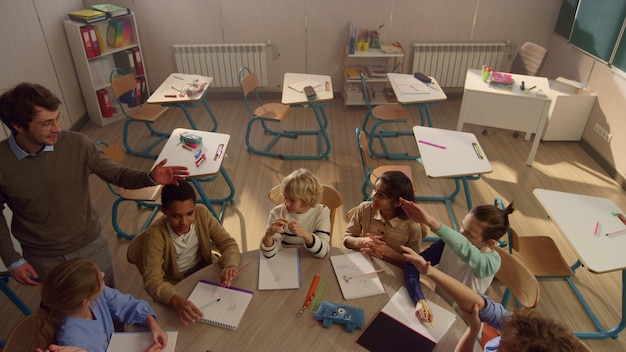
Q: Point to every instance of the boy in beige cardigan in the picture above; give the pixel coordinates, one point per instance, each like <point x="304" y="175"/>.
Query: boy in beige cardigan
<point x="180" y="244"/>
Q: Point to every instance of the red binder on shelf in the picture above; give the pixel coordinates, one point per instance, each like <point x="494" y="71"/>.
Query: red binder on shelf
<point x="94" y="41"/>
<point x="84" y="33"/>
<point x="139" y="90"/>
<point x="105" y="104"/>
<point x="138" y="61"/>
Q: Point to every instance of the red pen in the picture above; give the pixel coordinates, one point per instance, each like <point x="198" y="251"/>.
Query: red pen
<point x="170" y="95"/>
<point x="200" y="160"/>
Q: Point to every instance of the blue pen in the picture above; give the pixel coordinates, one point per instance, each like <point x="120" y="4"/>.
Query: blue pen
<point x="431" y="86"/>
<point x="198" y="153"/>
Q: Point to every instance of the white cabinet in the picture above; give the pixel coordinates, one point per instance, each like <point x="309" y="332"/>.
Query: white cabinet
<point x="352" y="89"/>
<point x="568" y="115"/>
<point x="93" y="73"/>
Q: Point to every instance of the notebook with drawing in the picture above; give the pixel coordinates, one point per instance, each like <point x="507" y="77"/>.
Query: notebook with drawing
<point x="280" y="272"/>
<point x="139" y="341"/>
<point x="397" y="322"/>
<point x="221" y="306"/>
<point x="299" y="86"/>
<point x="356" y="275"/>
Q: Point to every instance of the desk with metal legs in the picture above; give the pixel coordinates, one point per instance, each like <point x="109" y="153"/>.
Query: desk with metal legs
<point x="295" y="98"/>
<point x="213" y="147"/>
<point x="409" y="92"/>
<point x="454" y="155"/>
<point x="578" y="217"/>
<point x="184" y="91"/>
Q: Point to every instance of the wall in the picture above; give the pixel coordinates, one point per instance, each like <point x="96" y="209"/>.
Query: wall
<point x="609" y="85"/>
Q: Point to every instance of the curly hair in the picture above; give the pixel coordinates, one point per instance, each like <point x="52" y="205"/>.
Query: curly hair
<point x="181" y="192"/>
<point x="532" y="332"/>
<point x="302" y="184"/>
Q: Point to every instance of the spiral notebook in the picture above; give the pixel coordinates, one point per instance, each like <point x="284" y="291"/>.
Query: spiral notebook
<point x="221" y="306"/>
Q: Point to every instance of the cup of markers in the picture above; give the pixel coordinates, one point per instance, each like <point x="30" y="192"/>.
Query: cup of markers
<point x="486" y="73"/>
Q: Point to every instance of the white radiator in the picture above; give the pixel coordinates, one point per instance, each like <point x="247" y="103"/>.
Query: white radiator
<point x="449" y="62"/>
<point x="222" y="61"/>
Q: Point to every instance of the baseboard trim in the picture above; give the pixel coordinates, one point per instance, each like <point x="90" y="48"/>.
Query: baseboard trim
<point x="613" y="173"/>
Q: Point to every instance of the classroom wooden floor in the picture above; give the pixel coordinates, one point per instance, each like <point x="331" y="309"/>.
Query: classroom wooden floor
<point x="563" y="166"/>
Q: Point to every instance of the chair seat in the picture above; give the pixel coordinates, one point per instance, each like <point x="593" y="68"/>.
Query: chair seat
<point x="542" y="256"/>
<point x="405" y="169"/>
<point x="390" y="112"/>
<point x="146" y="193"/>
<point x="148" y="112"/>
<point x="275" y="111"/>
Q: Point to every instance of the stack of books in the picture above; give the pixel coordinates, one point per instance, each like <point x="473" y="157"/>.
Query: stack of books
<point x="501" y="81"/>
<point x="87" y="16"/>
<point x="111" y="10"/>
<point x="355" y="73"/>
<point x="376" y="71"/>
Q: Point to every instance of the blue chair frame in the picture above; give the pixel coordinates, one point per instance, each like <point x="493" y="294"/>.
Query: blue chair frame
<point x="161" y="136"/>
<point x="153" y="206"/>
<point x="4" y="287"/>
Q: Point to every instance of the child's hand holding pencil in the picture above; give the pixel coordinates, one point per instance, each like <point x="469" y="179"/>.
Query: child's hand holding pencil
<point x="423" y="312"/>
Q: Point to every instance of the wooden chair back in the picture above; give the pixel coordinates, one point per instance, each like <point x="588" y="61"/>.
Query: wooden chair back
<point x="22" y="338"/>
<point x="249" y="83"/>
<point x="123" y="84"/>
<point x="330" y="198"/>
<point x="540" y="254"/>
<point x="517" y="278"/>
<point x="134" y="253"/>
<point x="113" y="152"/>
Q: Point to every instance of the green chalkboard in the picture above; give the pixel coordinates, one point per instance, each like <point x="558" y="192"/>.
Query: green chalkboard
<point x="597" y="26"/>
<point x="565" y="22"/>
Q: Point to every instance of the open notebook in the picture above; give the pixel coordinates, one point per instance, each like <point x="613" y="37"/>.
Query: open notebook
<point x="299" y="86"/>
<point x="139" y="341"/>
<point x="401" y="328"/>
<point x="356" y="275"/>
<point x="221" y="306"/>
<point x="280" y="272"/>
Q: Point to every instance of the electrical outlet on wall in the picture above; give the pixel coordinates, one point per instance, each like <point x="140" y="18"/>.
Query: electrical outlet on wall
<point x="602" y="132"/>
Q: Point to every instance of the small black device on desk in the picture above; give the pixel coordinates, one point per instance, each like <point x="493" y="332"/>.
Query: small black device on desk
<point x="422" y="77"/>
<point x="310" y="92"/>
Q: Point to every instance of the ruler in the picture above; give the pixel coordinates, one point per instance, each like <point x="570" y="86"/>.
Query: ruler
<point x="319" y="295"/>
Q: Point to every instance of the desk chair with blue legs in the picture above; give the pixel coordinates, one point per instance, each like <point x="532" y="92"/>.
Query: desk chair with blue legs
<point x="143" y="197"/>
<point x="4" y="287"/>
<point x="262" y="113"/>
<point x="542" y="257"/>
<point x="382" y="115"/>
<point x="124" y="89"/>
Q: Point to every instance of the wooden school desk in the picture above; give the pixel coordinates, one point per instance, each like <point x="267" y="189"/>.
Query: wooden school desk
<point x="576" y="216"/>
<point x="451" y="154"/>
<point x="214" y="147"/>
<point x="514" y="109"/>
<point x="173" y="93"/>
<point x="410" y="91"/>
<point x="270" y="322"/>
<point x="324" y="89"/>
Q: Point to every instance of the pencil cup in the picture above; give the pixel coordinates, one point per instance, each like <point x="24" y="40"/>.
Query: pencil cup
<point x="366" y="45"/>
<point x="485" y="75"/>
<point x="359" y="45"/>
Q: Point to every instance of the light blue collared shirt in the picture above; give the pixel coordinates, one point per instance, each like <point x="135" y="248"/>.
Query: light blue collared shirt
<point x="21" y="153"/>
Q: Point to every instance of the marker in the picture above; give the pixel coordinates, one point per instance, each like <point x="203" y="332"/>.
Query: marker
<point x="201" y="160"/>
<point x="595" y="229"/>
<point x="432" y="144"/>
<point x="170" y="95"/>
<point x="614" y="232"/>
<point x="427" y="314"/>
<point x="309" y="296"/>
<point x="208" y="304"/>
<point x="621" y="217"/>
<point x="327" y="86"/>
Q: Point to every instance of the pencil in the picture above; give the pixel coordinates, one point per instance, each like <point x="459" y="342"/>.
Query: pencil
<point x="208" y="304"/>
<point x="595" y="229"/>
<point x="427" y="313"/>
